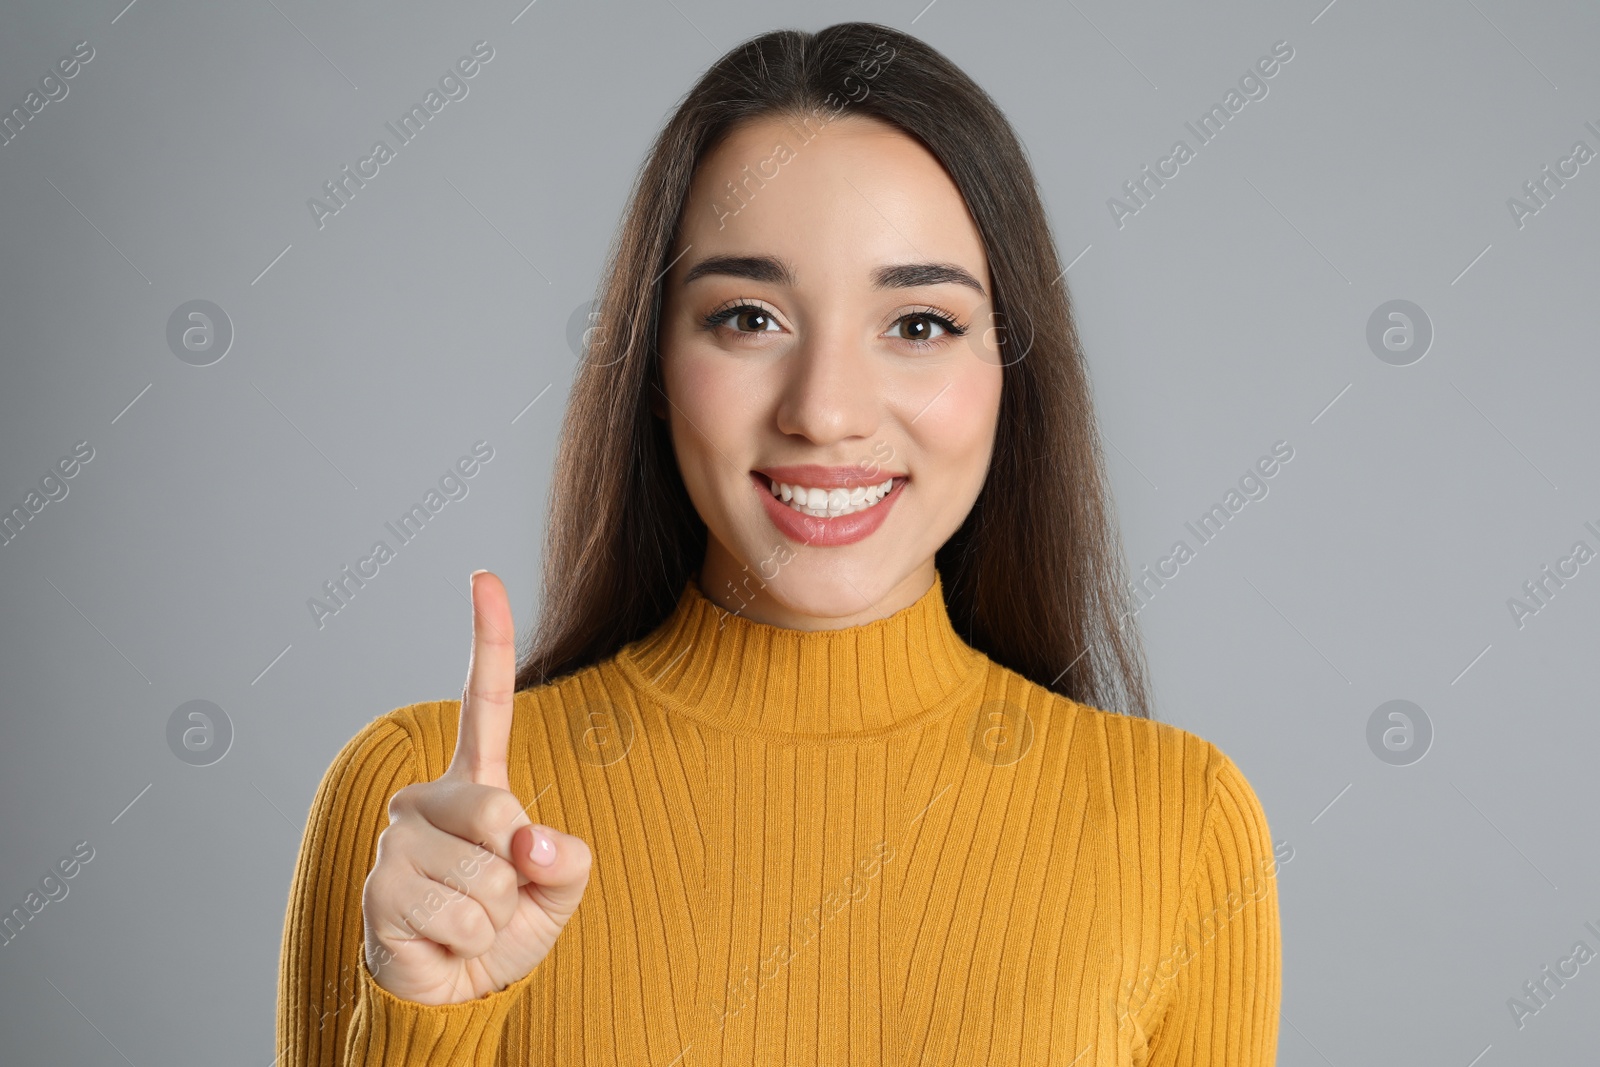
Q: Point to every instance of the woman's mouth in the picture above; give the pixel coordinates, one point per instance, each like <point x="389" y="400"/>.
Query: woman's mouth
<point x="830" y="503"/>
<point x="826" y="516"/>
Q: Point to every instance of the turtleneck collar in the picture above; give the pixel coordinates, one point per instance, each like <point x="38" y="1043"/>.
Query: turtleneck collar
<point x="857" y="683"/>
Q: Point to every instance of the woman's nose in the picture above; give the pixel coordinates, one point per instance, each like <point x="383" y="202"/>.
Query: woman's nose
<point x="830" y="389"/>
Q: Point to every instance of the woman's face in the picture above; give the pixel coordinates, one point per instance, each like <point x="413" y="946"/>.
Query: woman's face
<point x="802" y="325"/>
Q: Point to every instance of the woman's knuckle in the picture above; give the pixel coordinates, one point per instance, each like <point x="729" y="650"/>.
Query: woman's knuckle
<point x="376" y="891"/>
<point x="404" y="800"/>
<point x="499" y="811"/>
<point x="499" y="880"/>
<point x="474" y="929"/>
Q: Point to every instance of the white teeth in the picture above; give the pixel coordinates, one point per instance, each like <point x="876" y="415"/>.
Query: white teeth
<point x="830" y="503"/>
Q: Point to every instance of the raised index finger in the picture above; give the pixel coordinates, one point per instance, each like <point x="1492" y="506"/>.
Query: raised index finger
<point x="484" y="734"/>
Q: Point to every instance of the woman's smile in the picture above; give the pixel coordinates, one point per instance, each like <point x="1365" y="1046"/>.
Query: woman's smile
<point x="832" y="513"/>
<point x="830" y="503"/>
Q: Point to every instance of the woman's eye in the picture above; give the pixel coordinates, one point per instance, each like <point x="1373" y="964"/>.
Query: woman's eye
<point x="758" y="320"/>
<point x="921" y="326"/>
<point x="755" y="319"/>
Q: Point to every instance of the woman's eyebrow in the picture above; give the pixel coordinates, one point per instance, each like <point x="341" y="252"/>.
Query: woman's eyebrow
<point x="775" y="271"/>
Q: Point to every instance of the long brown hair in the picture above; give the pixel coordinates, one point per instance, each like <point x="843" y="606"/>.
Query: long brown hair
<point x="1034" y="576"/>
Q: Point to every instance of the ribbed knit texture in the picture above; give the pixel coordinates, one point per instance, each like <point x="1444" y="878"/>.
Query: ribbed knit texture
<point x="868" y="846"/>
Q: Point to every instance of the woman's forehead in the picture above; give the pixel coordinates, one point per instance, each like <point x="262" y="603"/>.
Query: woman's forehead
<point x="856" y="198"/>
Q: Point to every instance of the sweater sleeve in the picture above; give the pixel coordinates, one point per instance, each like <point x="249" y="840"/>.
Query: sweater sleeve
<point x="1224" y="1006"/>
<point x="331" y="1013"/>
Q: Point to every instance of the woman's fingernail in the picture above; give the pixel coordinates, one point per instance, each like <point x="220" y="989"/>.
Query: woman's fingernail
<point x="543" y="850"/>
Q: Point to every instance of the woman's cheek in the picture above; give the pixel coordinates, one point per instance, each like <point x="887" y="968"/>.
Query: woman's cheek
<point x="956" y="448"/>
<point x="714" y="422"/>
<point x="972" y="419"/>
<point x="714" y="391"/>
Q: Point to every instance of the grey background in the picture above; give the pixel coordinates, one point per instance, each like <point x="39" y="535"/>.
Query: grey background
<point x="1228" y="314"/>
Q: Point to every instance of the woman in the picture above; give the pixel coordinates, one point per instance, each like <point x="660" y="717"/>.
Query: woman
<point x="815" y="725"/>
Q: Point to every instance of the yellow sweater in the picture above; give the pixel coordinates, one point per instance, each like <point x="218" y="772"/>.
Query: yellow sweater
<point x="847" y="848"/>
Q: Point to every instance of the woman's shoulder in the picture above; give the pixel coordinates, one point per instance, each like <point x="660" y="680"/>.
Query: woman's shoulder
<point x="1175" y="769"/>
<point x="1170" y="798"/>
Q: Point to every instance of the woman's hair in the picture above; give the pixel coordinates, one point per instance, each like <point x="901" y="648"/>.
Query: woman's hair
<point x="1034" y="576"/>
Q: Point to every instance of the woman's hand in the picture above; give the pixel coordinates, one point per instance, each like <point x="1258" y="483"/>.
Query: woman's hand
<point x="456" y="906"/>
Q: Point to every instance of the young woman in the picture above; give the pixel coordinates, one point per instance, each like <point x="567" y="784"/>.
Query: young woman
<point x="832" y="745"/>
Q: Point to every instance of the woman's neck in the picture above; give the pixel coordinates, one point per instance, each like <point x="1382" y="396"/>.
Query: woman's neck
<point x="835" y="685"/>
<point x="826" y="603"/>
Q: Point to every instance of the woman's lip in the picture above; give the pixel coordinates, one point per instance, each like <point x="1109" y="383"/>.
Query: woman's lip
<point x="824" y="532"/>
<point x="812" y="475"/>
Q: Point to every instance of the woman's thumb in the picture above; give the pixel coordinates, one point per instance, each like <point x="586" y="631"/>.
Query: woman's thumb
<point x="556" y="866"/>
